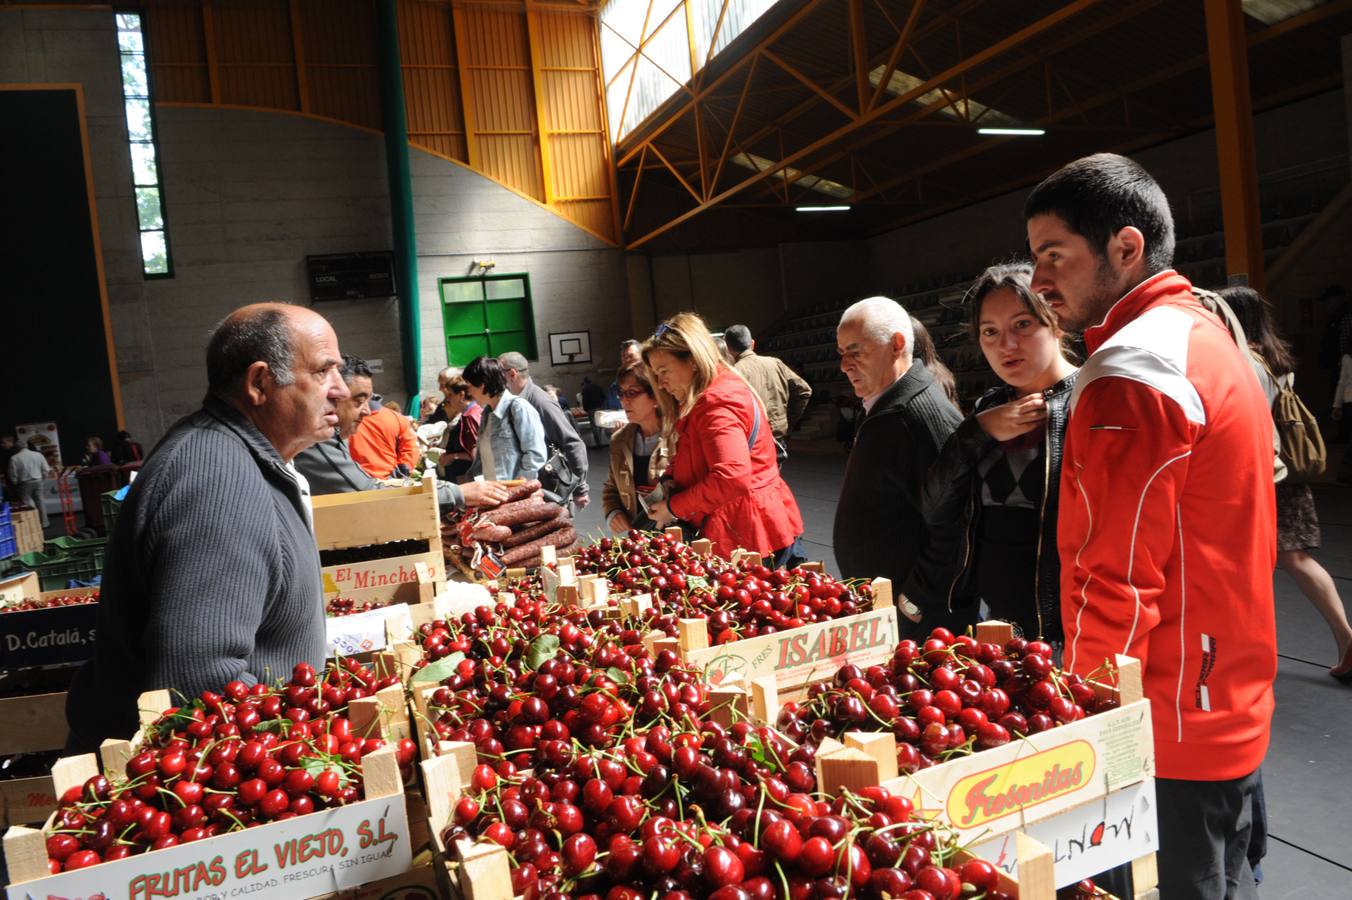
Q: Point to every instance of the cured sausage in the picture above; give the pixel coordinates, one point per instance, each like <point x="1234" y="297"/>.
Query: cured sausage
<point x="490" y="532"/>
<point x="561" y="537"/>
<point x="538" y="530"/>
<point x="532" y="509"/>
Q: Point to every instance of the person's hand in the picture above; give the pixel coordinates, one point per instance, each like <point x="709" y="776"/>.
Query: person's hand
<point x="910" y="610"/>
<point x="661" y="514"/>
<point x="484" y="493"/>
<point x="581" y="500"/>
<point x="1009" y="420"/>
<point x="619" y="523"/>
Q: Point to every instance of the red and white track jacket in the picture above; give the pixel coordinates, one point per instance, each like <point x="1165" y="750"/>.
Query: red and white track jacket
<point x="1167" y="528"/>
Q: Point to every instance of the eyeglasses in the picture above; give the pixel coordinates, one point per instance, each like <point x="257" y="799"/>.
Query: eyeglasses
<point x="632" y="393"/>
<point x="661" y="330"/>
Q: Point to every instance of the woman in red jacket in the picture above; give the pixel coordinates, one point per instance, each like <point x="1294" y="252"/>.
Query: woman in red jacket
<point x="724" y="475"/>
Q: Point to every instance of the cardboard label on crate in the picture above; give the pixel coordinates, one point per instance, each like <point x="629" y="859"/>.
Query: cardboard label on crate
<point x="805" y="654"/>
<point x="1088" y="839"/>
<point x="1037" y="777"/>
<point x="371" y="630"/>
<point x="1018" y="786"/>
<point x="380" y="573"/>
<point x="46" y="637"/>
<point x="328" y="851"/>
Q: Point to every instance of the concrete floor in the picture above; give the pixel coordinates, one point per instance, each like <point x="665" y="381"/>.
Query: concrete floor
<point x="1308" y="772"/>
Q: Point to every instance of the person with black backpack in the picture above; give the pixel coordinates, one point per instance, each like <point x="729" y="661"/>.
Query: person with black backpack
<point x="1297" y="521"/>
<point x="565" y="470"/>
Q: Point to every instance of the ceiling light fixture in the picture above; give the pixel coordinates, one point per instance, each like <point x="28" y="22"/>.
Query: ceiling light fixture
<point x="1016" y="132"/>
<point x="822" y="208"/>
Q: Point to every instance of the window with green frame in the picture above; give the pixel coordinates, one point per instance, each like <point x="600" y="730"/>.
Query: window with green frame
<point x="487" y="314"/>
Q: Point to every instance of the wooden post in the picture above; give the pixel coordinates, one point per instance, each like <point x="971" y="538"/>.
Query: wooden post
<point x="380" y="773"/>
<point x="727" y="704"/>
<point x="549" y="555"/>
<point x="702" y="546"/>
<point x="26" y="854"/>
<point x="994" y="632"/>
<point x="115" y="753"/>
<point x="764" y="699"/>
<point x="692" y="634"/>
<point x="1228" y="53"/>
<point x="674" y="532"/>
<point x="1129" y="686"/>
<point x="812" y="567"/>
<point x="1037" y="870"/>
<point x="484" y="871"/>
<point x="882" y="592"/>
<point x="881" y="747"/>
<point x="73" y="771"/>
<point x="1145" y="877"/>
<point x="847" y="768"/>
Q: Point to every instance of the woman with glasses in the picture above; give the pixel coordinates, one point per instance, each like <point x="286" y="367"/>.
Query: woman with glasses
<point x="466" y="418"/>
<point x="639" y="453"/>
<point x="724" y="477"/>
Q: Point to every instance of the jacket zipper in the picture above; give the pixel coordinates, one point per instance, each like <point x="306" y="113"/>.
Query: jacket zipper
<point x="1041" y="521"/>
<point x="966" y="548"/>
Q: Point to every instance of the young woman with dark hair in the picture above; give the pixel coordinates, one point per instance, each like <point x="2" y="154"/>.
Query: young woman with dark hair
<point x="991" y="498"/>
<point x="1297" y="520"/>
<point x="512" y="438"/>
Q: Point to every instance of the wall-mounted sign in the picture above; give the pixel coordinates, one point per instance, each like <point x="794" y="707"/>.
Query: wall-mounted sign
<point x="350" y="276"/>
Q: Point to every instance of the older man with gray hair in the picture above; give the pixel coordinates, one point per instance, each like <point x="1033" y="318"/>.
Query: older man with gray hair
<point x="212" y="573"/>
<point x="879" y="526"/>
<point x="567" y="464"/>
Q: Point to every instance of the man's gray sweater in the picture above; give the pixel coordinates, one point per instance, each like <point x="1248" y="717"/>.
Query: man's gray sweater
<point x="212" y="575"/>
<point x="330" y="469"/>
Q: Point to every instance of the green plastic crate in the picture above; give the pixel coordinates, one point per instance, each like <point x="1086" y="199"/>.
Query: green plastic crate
<point x="55" y="570"/>
<point x="72" y="546"/>
<point x="111" y="507"/>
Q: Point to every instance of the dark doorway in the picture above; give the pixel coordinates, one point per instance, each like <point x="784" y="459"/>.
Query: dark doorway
<point x="55" y="361"/>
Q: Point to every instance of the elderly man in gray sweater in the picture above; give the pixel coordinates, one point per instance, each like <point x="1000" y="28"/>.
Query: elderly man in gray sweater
<point x="212" y="573"/>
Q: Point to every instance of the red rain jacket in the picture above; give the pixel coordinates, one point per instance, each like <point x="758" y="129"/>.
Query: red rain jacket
<point x="733" y="494"/>
<point x="1167" y="527"/>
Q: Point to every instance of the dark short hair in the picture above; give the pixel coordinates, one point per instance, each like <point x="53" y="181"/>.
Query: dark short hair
<point x="485" y="373"/>
<point x="738" y="338"/>
<point x="264" y="335"/>
<point x="1097" y="196"/>
<point x="352" y="367"/>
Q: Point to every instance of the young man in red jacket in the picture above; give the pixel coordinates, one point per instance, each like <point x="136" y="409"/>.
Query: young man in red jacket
<point x="1167" y="520"/>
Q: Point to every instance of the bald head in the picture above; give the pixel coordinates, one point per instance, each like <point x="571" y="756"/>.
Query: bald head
<point x="259" y="332"/>
<point x="279" y="366"/>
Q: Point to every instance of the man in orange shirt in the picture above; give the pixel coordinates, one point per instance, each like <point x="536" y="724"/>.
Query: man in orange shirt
<point x="384" y="442"/>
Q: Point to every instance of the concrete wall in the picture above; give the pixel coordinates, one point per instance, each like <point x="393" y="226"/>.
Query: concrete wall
<point x="249" y="194"/>
<point x="755" y="287"/>
<point x="578" y="282"/>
